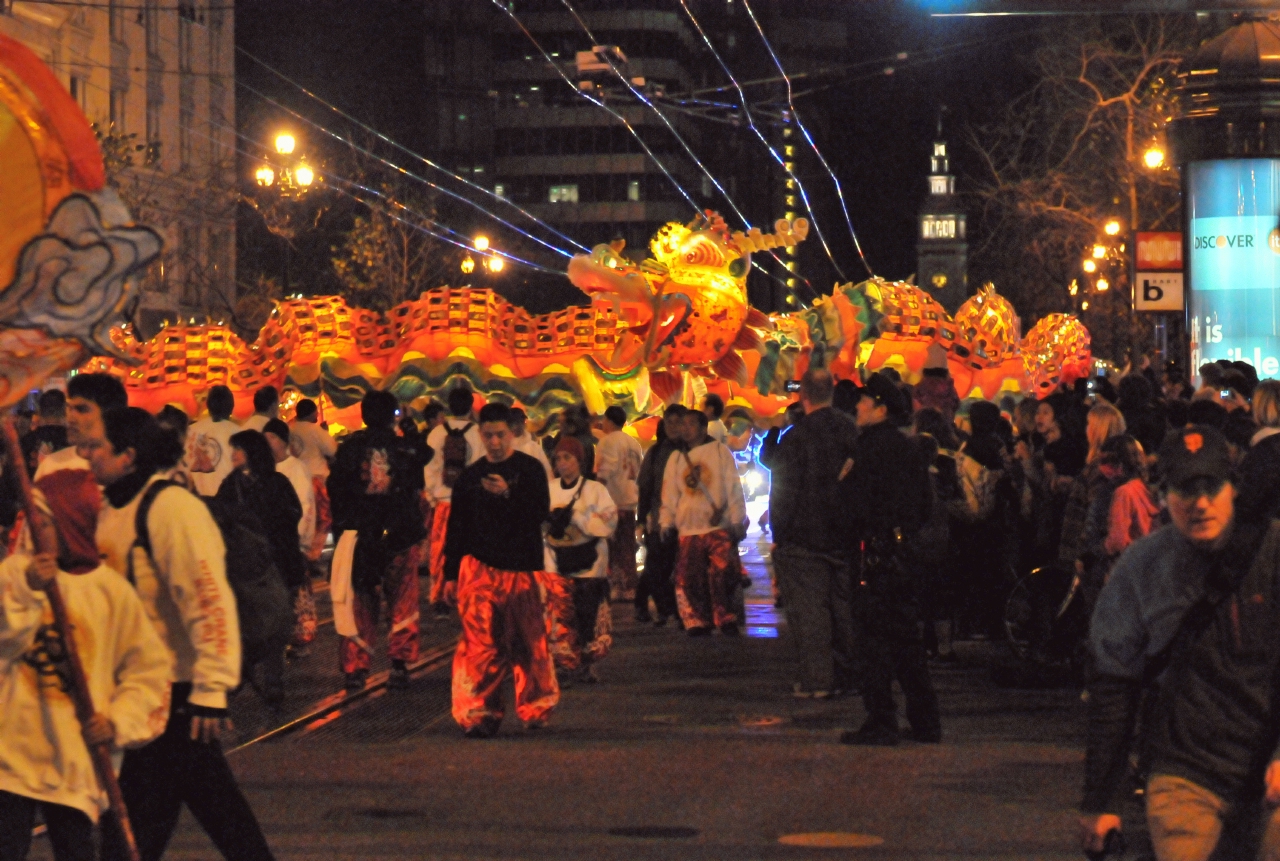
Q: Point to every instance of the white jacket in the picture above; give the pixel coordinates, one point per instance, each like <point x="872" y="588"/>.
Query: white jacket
<point x="209" y="453"/>
<point x="713" y="474"/>
<point x="533" y="448"/>
<point x="312" y="445"/>
<point x="42" y="753"/>
<point x="433" y="473"/>
<point x="185" y="593"/>
<point x="300" y="477"/>
<point x="594" y="514"/>
<point x="618" y="458"/>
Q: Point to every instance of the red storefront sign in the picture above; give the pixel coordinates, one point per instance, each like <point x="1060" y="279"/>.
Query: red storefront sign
<point x="1159" y="252"/>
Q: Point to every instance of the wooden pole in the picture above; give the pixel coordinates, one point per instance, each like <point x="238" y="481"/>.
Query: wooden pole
<point x="46" y="541"/>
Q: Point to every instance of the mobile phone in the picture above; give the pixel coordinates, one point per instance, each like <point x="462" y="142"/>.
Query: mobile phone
<point x="1225" y="394"/>
<point x="1091" y="385"/>
<point x="792" y="385"/>
<point x="1101" y="371"/>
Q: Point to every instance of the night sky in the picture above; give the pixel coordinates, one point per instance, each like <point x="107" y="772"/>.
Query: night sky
<point x="368" y="58"/>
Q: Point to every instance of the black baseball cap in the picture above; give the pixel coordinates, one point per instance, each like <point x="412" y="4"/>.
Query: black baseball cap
<point x="881" y="389"/>
<point x="1192" y="453"/>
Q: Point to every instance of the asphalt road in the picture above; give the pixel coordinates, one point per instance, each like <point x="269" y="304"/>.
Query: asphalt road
<point x="687" y="748"/>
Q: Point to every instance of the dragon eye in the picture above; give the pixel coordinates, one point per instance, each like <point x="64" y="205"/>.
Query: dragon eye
<point x="738" y="268"/>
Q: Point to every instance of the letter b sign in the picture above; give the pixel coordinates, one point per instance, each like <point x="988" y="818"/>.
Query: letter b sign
<point x="1158" y="291"/>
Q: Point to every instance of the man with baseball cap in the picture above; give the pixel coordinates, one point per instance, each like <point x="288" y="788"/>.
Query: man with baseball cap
<point x="1189" y="616"/>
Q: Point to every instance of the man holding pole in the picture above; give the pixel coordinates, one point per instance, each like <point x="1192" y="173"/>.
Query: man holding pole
<point x="60" y="717"/>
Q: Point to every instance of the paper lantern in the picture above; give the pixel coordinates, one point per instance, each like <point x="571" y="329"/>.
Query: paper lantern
<point x="1056" y="351"/>
<point x="986" y="330"/>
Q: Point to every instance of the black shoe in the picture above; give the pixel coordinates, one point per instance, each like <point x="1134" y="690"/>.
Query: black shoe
<point x="487" y="728"/>
<point x="355" y="681"/>
<point x="730" y="629"/>
<point x="698" y="631"/>
<point x="927" y="736"/>
<point x="643" y="617"/>
<point x="398" y="680"/>
<point x="871" y="735"/>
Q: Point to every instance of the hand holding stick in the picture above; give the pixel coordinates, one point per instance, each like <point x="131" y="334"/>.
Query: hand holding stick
<point x="45" y="538"/>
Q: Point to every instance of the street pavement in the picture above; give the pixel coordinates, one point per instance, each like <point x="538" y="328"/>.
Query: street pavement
<point x="686" y="748"/>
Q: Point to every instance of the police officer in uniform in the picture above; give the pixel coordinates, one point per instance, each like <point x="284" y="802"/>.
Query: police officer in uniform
<point x="887" y="497"/>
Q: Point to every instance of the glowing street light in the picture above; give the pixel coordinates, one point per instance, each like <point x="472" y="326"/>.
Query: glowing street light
<point x="1153" y="157"/>
<point x="1099" y="252"/>
<point x="1103" y="285"/>
<point x="1089" y="266"/>
<point x="304" y="175"/>
<point x="1084" y="306"/>
<point x="264" y="176"/>
<point x="482" y="243"/>
<point x="468" y="265"/>
<point x="285" y="143"/>
<point x="1074" y="287"/>
<point x="1111" y="228"/>
<point x="495" y="264"/>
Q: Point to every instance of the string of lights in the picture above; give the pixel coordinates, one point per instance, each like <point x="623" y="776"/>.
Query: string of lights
<point x="804" y="196"/>
<point x="809" y="138"/>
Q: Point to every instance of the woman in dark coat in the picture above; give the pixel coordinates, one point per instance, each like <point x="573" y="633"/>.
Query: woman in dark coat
<point x="255" y="486"/>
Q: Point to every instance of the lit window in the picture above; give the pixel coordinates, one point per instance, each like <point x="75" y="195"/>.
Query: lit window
<point x="791" y="185"/>
<point x="478" y="169"/>
<point x="788" y="150"/>
<point x="786" y="133"/>
<point x="789" y="215"/>
<point x="791" y="200"/>
<point x="940" y="149"/>
<point x="937" y="185"/>
<point x="563" y="194"/>
<point x="462" y="118"/>
<point x="500" y="190"/>
<point x="932" y="227"/>
<point x="788" y="166"/>
<point x="633" y="190"/>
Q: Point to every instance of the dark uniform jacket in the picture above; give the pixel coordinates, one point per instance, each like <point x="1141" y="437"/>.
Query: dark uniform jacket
<point x="804" y="496"/>
<point x="503" y="532"/>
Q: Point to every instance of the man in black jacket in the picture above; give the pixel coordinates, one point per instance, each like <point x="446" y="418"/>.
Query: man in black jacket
<point x="659" y="554"/>
<point x="809" y="553"/>
<point x="492" y="554"/>
<point x="1193" y="607"/>
<point x="374" y="486"/>
<point x="887" y="498"/>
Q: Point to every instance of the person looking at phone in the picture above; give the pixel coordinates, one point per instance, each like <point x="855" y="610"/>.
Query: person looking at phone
<point x="492" y="553"/>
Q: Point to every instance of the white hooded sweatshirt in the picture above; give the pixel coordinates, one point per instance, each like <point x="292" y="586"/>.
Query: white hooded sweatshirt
<point x="42" y="752"/>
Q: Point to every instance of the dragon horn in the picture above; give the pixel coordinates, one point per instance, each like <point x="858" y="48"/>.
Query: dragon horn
<point x="788" y="233"/>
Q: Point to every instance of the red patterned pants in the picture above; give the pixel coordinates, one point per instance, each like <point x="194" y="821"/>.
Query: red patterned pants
<point x="704" y="577"/>
<point x="503" y="630"/>
<point x="400" y="589"/>
<point x="622" y="555"/>
<point x="324" y="519"/>
<point x="435" y="541"/>
<point x="579" y="622"/>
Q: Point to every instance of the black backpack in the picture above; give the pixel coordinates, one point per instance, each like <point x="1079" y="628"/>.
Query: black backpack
<point x="455" y="452"/>
<point x="262" y="602"/>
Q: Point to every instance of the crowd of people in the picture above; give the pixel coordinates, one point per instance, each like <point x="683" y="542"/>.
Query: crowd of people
<point x="900" y="519"/>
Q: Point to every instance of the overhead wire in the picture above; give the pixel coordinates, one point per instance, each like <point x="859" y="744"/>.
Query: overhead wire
<point x="397" y="145"/>
<point x="465" y="244"/>
<point x="809" y="138"/>
<point x="680" y="139"/>
<point x="776" y="155"/>
<point x="598" y="103"/>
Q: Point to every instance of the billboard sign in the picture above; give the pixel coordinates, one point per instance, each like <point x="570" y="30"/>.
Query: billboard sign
<point x="1233" y="210"/>
<point x="1158" y="252"/>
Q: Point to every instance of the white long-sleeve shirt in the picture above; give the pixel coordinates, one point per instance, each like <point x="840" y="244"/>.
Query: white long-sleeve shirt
<point x="533" y="448"/>
<point x="209" y="453"/>
<point x="300" y="477"/>
<point x="433" y="473"/>
<point x="618" y="459"/>
<point x="42" y="751"/>
<point x="594" y="514"/>
<point x="313" y="445"/>
<point x="185" y="591"/>
<point x="697" y="482"/>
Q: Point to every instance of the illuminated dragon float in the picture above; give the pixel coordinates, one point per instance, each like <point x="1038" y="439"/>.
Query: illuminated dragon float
<point x="672" y="327"/>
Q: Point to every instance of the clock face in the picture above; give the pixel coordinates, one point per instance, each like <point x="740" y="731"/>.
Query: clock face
<point x="939" y="280"/>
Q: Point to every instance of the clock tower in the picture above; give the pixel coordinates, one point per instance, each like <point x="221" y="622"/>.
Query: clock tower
<point x="941" y="249"/>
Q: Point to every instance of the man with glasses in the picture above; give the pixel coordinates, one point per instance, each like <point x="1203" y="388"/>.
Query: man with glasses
<point x="1188" y="616"/>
